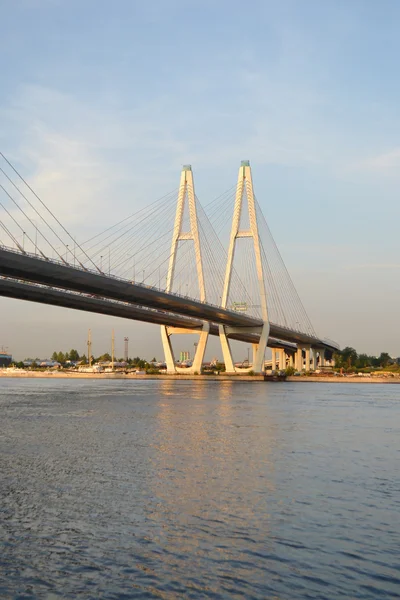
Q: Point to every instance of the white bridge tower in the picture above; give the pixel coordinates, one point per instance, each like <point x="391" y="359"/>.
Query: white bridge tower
<point x="186" y="195"/>
<point x="245" y="188"/>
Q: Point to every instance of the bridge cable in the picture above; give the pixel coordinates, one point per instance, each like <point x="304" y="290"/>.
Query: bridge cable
<point x="44" y="205"/>
<point x="31" y="222"/>
<point x="136" y="224"/>
<point x="18" y="225"/>
<point x="12" y="237"/>
<point x="144" y="234"/>
<point x="130" y="233"/>
<point x="130" y="216"/>
<point x="289" y="282"/>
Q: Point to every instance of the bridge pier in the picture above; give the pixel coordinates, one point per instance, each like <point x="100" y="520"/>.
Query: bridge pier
<point x="226" y="350"/>
<point x="255" y="350"/>
<point x="273" y="359"/>
<point x="315" y="360"/>
<point x="282" y="359"/>
<point x="322" y="357"/>
<point x="168" y="351"/>
<point x="198" y="358"/>
<point x="307" y="364"/>
<point x="258" y="349"/>
<point x="299" y="359"/>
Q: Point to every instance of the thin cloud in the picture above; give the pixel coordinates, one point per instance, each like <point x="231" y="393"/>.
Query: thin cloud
<point x="381" y="163"/>
<point x="84" y="161"/>
<point x="377" y="266"/>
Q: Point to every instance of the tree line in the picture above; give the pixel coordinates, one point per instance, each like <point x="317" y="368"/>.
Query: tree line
<point x="74" y="356"/>
<point x="63" y="357"/>
<point x="348" y="358"/>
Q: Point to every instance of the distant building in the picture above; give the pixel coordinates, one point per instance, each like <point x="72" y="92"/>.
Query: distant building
<point x="39" y="362"/>
<point x="49" y="363"/>
<point x="5" y="359"/>
<point x="184" y="356"/>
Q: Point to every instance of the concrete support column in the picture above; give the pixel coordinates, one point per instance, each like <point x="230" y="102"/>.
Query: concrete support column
<point x="168" y="351"/>
<point x="314" y="351"/>
<point x="255" y="350"/>
<point x="273" y="359"/>
<point x="259" y="360"/>
<point x="291" y="360"/>
<point x="307" y="349"/>
<point x="282" y="360"/>
<point x="299" y="359"/>
<point x="201" y="349"/>
<point x="322" y="358"/>
<point x="226" y="350"/>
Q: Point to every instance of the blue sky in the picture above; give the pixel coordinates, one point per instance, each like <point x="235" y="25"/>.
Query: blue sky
<point x="103" y="102"/>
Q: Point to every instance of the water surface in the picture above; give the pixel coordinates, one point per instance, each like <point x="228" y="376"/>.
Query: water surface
<point x="174" y="489"/>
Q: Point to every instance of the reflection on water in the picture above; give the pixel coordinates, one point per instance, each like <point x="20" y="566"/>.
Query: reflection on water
<point x="176" y="489"/>
<point x="205" y="466"/>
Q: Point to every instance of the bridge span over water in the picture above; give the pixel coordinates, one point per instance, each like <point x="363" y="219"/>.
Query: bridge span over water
<point x="108" y="295"/>
<point x="35" y="277"/>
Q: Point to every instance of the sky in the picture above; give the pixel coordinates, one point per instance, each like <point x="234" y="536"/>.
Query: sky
<point x="102" y="103"/>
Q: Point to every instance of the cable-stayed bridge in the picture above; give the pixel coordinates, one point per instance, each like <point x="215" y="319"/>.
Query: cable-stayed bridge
<point x="213" y="271"/>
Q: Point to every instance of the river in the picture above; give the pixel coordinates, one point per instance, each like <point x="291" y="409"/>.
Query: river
<point x="174" y="489"/>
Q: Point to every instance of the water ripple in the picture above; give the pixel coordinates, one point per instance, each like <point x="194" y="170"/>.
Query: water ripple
<point x="198" y="490"/>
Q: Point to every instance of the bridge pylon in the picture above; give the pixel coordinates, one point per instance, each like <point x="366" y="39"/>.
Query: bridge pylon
<point x="245" y="189"/>
<point x="186" y="197"/>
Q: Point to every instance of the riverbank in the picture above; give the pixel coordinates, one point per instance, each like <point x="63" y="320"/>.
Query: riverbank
<point x="356" y="379"/>
<point x="133" y="376"/>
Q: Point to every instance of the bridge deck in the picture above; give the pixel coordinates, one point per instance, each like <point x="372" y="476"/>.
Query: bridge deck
<point x="30" y="268"/>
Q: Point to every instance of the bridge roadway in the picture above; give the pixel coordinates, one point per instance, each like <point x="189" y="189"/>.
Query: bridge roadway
<point x="31" y="268"/>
